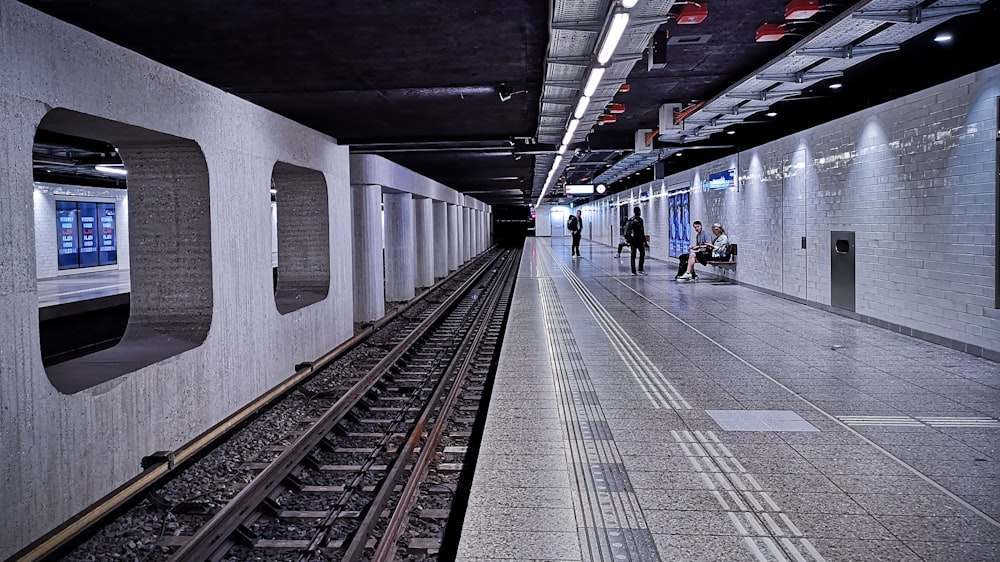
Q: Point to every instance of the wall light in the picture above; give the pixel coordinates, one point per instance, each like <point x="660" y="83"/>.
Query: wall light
<point x="943" y="38"/>
<point x="611" y="39"/>
<point x="595" y="80"/>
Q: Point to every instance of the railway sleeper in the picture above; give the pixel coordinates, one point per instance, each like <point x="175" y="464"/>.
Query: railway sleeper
<point x="427" y="546"/>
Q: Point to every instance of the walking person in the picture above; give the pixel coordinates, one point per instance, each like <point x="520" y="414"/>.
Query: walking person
<point x="575" y="226"/>
<point x="635" y="235"/>
<point x="719" y="246"/>
<point x="699" y="249"/>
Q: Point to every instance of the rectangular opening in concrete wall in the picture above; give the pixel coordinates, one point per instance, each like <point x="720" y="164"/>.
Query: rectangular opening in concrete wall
<point x="158" y="237"/>
<point x="302" y="223"/>
<point x="81" y="245"/>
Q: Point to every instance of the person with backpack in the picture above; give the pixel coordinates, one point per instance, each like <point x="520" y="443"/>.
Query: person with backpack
<point x="635" y="235"/>
<point x="575" y="226"/>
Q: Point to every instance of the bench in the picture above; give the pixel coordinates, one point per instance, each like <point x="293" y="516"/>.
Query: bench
<point x="733" y="250"/>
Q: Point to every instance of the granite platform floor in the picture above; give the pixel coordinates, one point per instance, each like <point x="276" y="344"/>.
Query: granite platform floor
<point x="640" y="418"/>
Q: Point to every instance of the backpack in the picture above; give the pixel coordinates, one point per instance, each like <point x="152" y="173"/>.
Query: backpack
<point x="573" y="223"/>
<point x="628" y="231"/>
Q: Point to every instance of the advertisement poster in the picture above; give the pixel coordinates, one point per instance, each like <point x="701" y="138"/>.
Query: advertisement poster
<point x="106" y="214"/>
<point x="88" y="234"/>
<point x="67" y="235"/>
<point x="85" y="234"/>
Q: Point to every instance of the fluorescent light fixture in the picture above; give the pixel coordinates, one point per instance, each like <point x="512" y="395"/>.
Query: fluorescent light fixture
<point x="772" y="114"/>
<point x="117" y="170"/>
<point x="573" y="124"/>
<point x="629" y="3"/>
<point x="943" y="38"/>
<point x="556" y="162"/>
<point x="836" y="86"/>
<point x="593" y="81"/>
<point x="581" y="107"/>
<point x="611" y="39"/>
<point x="561" y="149"/>
<point x="730" y="132"/>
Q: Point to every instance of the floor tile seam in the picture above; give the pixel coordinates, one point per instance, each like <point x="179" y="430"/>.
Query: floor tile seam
<point x="647" y="374"/>
<point x="577" y="455"/>
<point x="833" y="418"/>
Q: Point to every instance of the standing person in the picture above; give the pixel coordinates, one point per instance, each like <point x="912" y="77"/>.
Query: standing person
<point x="635" y="235"/>
<point x="575" y="226"/>
<point x="699" y="250"/>
<point x="719" y="246"/>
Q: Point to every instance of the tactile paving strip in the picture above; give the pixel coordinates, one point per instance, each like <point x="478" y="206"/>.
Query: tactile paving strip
<point x="613" y="527"/>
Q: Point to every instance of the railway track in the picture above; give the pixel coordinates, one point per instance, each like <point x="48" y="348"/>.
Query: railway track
<point x="348" y="480"/>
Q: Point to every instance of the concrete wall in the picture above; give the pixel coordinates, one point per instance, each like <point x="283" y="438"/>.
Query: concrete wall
<point x="914" y="178"/>
<point x="94" y="439"/>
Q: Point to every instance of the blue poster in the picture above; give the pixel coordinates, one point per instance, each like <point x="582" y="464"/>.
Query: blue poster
<point x="85" y="234"/>
<point x="106" y="229"/>
<point x="88" y="234"/>
<point x="67" y="235"/>
<point x="679" y="214"/>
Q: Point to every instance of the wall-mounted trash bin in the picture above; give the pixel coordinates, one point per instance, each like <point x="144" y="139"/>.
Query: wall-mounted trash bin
<point x="842" y="269"/>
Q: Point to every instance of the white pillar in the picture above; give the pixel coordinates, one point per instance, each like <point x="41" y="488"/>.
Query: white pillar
<point x="399" y="254"/>
<point x="464" y="235"/>
<point x="454" y="224"/>
<point x="369" y="283"/>
<point x="440" y="239"/>
<point x="423" y="242"/>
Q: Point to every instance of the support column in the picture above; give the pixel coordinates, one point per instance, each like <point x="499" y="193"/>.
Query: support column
<point x="423" y="242"/>
<point x="464" y="235"/>
<point x="440" y="239"/>
<point x="474" y="233"/>
<point x="454" y="224"/>
<point x="369" y="283"/>
<point x="399" y="254"/>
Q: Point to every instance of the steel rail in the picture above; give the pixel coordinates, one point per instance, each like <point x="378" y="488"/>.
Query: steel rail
<point x="396" y="524"/>
<point x="213" y="535"/>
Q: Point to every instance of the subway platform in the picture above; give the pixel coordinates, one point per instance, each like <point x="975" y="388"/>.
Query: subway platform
<point x="641" y="418"/>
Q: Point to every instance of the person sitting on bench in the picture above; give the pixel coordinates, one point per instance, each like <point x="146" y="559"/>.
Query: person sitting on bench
<point x="699" y="250"/>
<point x="719" y="246"/>
<point x="621" y="244"/>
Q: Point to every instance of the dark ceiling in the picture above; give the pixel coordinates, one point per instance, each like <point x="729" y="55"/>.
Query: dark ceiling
<point x="419" y="81"/>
